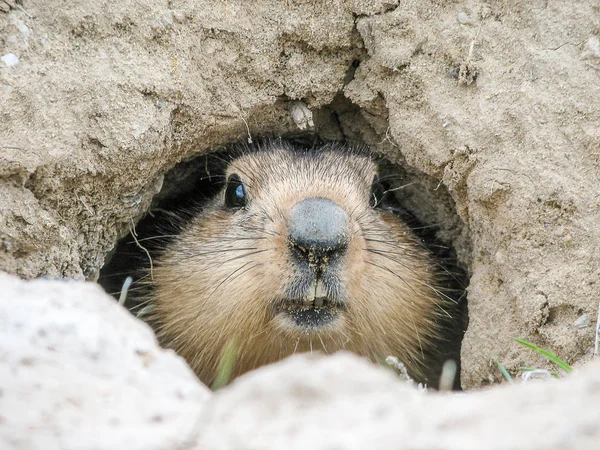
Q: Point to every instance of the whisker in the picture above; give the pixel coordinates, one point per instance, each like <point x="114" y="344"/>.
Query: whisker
<point x="417" y="280"/>
<point x="322" y="344"/>
<point x="433" y="259"/>
<point x="234" y="239"/>
<point x="119" y="274"/>
<point x="185" y="256"/>
<point x="425" y="227"/>
<point x="246" y="254"/>
<point x="413" y="279"/>
<point x="164" y="236"/>
<point x="412" y="319"/>
<point x="229" y="277"/>
<point x="260" y="230"/>
<point x="399" y="187"/>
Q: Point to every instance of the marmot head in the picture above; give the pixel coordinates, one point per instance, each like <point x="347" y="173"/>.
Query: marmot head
<point x="299" y="251"/>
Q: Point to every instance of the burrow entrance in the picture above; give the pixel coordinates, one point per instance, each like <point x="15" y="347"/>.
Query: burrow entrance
<point x="425" y="202"/>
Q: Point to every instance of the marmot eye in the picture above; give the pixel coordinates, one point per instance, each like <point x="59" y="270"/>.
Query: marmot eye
<point x="378" y="193"/>
<point x="235" y="193"/>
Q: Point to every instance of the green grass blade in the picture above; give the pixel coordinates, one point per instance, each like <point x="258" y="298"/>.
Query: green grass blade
<point x="504" y="372"/>
<point x="125" y="290"/>
<point x="226" y="365"/>
<point x="546" y="354"/>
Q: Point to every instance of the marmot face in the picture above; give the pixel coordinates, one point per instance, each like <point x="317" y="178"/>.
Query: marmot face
<point x="298" y="253"/>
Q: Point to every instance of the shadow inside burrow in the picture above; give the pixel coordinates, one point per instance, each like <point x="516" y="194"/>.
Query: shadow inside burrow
<point x="418" y="200"/>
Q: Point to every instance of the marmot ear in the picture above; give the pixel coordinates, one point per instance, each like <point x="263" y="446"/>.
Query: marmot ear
<point x="235" y="192"/>
<point x="378" y="193"/>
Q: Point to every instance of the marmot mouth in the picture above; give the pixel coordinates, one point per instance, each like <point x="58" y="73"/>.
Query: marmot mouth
<point x="310" y="315"/>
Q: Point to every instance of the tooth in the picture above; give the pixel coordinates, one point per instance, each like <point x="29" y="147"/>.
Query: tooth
<point x="309" y="300"/>
<point x="319" y="292"/>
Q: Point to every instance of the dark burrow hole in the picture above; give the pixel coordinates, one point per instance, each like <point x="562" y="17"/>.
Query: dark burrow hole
<point x="419" y="200"/>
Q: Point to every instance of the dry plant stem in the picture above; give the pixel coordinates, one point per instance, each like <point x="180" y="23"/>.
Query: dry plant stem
<point x="448" y="375"/>
<point x="472" y="45"/>
<point x="247" y="130"/>
<point x="134" y="234"/>
<point x="597" y="331"/>
<point x="124" y="290"/>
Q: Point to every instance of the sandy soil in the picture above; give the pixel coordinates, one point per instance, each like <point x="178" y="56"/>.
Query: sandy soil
<point x="491" y="105"/>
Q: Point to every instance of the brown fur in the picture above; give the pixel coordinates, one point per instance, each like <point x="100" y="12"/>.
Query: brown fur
<point x="218" y="280"/>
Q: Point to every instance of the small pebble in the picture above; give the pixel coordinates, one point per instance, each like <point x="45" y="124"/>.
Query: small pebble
<point x="537" y="374"/>
<point x="583" y="321"/>
<point x="179" y="17"/>
<point x="302" y="116"/>
<point x="10" y="59"/>
<point x="592" y="48"/>
<point x="463" y="18"/>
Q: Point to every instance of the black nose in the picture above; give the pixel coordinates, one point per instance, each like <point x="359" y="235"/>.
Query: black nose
<point x="318" y="229"/>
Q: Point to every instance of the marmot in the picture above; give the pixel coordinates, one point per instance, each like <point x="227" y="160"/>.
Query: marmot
<point x="298" y="252"/>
